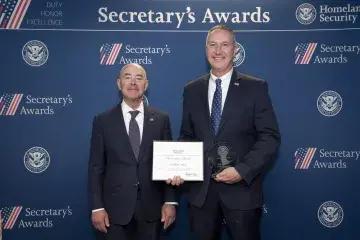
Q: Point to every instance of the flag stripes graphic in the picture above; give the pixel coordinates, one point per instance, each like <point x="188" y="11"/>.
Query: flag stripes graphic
<point x="12" y="13"/>
<point x="9" y="103"/>
<point x="303" y="157"/>
<point x="109" y="53"/>
<point x="304" y="52"/>
<point x="9" y="216"/>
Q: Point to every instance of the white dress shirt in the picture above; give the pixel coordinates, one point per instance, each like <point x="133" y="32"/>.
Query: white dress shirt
<point x="225" y="82"/>
<point x="139" y="118"/>
<point x="140" y="121"/>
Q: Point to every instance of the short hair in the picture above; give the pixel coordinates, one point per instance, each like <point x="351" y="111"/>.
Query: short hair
<point x="136" y="65"/>
<point x="223" y="27"/>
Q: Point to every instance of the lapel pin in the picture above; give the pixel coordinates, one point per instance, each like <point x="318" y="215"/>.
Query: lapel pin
<point x="151" y="119"/>
<point x="236" y="84"/>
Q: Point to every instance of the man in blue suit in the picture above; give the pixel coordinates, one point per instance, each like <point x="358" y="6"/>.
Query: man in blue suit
<point x="228" y="110"/>
<point x="126" y="204"/>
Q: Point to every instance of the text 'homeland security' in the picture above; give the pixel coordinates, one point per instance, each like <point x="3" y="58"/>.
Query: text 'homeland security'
<point x="346" y="13"/>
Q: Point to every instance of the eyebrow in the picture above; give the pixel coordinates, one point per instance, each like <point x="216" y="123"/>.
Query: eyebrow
<point x="137" y="75"/>
<point x="220" y="42"/>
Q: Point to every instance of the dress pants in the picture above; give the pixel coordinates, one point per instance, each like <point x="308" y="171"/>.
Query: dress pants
<point x="138" y="228"/>
<point x="206" y="222"/>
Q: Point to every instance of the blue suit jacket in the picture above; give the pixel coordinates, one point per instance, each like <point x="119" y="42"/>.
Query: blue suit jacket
<point x="248" y="124"/>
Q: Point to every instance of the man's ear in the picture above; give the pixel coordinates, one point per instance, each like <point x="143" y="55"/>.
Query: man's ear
<point x="118" y="82"/>
<point x="146" y="84"/>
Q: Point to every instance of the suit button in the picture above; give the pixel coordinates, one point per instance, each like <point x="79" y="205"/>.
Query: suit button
<point x="137" y="165"/>
<point x="136" y="185"/>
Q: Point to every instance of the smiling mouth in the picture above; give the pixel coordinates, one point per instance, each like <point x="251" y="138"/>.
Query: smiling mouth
<point x="218" y="58"/>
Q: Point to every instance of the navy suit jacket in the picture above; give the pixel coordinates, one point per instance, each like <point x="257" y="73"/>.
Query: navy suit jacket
<point x="248" y="124"/>
<point x="115" y="175"/>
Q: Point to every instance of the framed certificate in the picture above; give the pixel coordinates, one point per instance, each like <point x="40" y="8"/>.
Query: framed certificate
<point x="173" y="158"/>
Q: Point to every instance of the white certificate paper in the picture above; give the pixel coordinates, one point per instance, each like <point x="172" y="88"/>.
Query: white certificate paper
<point x="184" y="159"/>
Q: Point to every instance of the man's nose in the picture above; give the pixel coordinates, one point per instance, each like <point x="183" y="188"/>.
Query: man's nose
<point x="218" y="49"/>
<point x="133" y="81"/>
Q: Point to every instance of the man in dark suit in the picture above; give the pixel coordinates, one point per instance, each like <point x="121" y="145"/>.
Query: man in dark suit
<point x="125" y="202"/>
<point x="227" y="108"/>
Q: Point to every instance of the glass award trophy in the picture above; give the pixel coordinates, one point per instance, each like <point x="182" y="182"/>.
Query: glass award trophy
<point x="221" y="156"/>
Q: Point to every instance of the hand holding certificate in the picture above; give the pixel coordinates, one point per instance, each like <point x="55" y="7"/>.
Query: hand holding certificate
<point x="183" y="159"/>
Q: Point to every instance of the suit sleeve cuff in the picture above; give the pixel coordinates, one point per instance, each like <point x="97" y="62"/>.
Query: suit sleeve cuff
<point x="245" y="172"/>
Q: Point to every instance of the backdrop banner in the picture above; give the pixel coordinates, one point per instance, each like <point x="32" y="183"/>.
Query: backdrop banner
<point x="59" y="64"/>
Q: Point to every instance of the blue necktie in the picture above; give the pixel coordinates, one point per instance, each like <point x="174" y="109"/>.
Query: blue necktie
<point x="216" y="108"/>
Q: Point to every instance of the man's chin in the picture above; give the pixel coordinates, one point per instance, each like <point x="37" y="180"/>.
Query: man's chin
<point x="133" y="98"/>
<point x="219" y="68"/>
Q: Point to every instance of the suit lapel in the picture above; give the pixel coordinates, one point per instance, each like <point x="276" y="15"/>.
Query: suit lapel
<point x="120" y="130"/>
<point x="205" y="99"/>
<point x="231" y="98"/>
<point x="148" y="120"/>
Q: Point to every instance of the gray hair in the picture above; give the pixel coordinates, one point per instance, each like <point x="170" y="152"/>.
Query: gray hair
<point x="223" y="27"/>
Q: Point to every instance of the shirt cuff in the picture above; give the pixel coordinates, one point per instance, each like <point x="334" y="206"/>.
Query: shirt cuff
<point x="173" y="203"/>
<point x="99" y="209"/>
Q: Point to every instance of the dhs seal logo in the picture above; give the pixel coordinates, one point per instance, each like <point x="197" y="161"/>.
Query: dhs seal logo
<point x="330" y="214"/>
<point x="305" y="13"/>
<point x="329" y="103"/>
<point x="35" y="53"/>
<point x="223" y="151"/>
<point x="36" y="159"/>
<point x="239" y="55"/>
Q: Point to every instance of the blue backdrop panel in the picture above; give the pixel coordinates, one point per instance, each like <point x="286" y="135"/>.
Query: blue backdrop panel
<point x="59" y="64"/>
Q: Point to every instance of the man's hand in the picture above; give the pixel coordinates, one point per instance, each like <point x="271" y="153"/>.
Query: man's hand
<point x="100" y="220"/>
<point x="177" y="180"/>
<point x="168" y="215"/>
<point x="229" y="175"/>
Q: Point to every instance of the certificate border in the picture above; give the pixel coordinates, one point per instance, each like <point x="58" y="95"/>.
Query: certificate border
<point x="202" y="162"/>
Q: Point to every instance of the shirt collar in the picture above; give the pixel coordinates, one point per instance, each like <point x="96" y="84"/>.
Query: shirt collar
<point x="223" y="78"/>
<point x="126" y="108"/>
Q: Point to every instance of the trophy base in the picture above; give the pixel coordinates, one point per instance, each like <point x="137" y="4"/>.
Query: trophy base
<point x="213" y="176"/>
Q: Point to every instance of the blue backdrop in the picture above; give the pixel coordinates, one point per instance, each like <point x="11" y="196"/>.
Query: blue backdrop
<point x="59" y="64"/>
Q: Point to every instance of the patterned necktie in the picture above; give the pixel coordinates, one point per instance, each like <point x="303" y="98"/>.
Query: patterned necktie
<point x="134" y="134"/>
<point x="216" y="108"/>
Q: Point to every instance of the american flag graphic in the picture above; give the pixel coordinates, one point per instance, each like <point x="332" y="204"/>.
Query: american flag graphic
<point x="304" y="52"/>
<point x="9" y="216"/>
<point x="303" y="157"/>
<point x="109" y="53"/>
<point x="9" y="103"/>
<point x="12" y="13"/>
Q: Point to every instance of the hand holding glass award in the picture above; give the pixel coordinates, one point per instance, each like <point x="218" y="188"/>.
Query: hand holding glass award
<point x="221" y="156"/>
